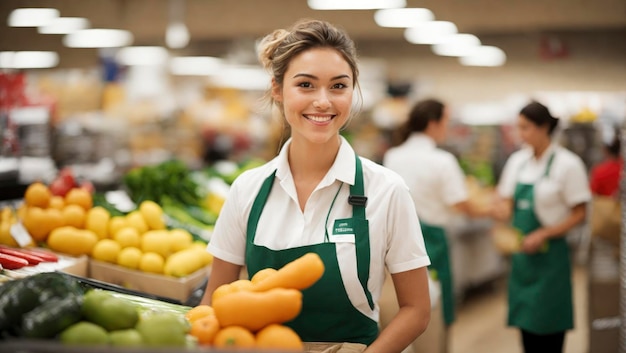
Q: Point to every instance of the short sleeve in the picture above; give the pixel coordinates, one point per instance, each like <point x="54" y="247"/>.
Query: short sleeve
<point x="406" y="249"/>
<point x="228" y="241"/>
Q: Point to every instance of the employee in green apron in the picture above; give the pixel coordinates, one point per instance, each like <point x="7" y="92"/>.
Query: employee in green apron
<point x="318" y="196"/>
<point x="544" y="190"/>
<point x="438" y="187"/>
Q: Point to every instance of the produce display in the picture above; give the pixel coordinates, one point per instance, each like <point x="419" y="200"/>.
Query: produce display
<point x="56" y="306"/>
<point x="70" y="224"/>
<point x="245" y="314"/>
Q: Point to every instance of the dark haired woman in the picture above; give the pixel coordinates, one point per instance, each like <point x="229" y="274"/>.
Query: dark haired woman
<point x="437" y="184"/>
<point x="544" y="188"/>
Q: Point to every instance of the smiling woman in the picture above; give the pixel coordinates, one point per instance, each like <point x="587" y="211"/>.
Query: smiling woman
<point x="320" y="197"/>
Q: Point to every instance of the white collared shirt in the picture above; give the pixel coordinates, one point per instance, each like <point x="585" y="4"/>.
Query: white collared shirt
<point x="396" y="240"/>
<point x="566" y="186"/>
<point x="433" y="175"/>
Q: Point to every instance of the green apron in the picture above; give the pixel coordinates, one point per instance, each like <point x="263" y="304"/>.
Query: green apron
<point x="437" y="249"/>
<point x="327" y="313"/>
<point x="539" y="289"/>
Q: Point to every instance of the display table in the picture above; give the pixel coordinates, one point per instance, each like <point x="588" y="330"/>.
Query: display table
<point x="474" y="258"/>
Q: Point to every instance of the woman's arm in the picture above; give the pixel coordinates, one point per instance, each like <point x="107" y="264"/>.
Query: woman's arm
<point x="222" y="272"/>
<point x="502" y="209"/>
<point x="412" y="318"/>
<point x="533" y="241"/>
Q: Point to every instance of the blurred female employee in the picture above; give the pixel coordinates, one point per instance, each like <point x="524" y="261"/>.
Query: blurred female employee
<point x="545" y="189"/>
<point x="437" y="185"/>
<point x="299" y="202"/>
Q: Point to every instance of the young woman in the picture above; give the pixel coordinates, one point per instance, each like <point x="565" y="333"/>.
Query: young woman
<point x="545" y="190"/>
<point x="296" y="203"/>
<point x="437" y="184"/>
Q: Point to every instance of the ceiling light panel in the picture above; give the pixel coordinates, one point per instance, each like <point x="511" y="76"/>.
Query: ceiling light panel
<point x="402" y="18"/>
<point x="460" y="44"/>
<point x="28" y="59"/>
<point x="355" y="4"/>
<point x="485" y="55"/>
<point x="431" y="32"/>
<point x="98" y="38"/>
<point x="32" y="17"/>
<point x="64" y="25"/>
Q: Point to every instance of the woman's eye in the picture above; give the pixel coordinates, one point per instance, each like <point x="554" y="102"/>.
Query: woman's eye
<point x="305" y="84"/>
<point x="340" y="85"/>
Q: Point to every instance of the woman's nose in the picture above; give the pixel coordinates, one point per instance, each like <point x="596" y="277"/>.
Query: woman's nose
<point x="322" y="102"/>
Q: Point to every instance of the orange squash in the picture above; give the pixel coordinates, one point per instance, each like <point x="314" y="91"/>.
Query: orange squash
<point x="300" y="273"/>
<point x="278" y="337"/>
<point x="255" y="310"/>
<point x="234" y="337"/>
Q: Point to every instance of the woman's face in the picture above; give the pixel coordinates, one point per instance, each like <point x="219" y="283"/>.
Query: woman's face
<point x="316" y="95"/>
<point x="441" y="130"/>
<point x="531" y="133"/>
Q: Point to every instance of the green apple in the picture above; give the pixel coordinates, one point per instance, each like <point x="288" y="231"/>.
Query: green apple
<point x="112" y="313"/>
<point x="84" y="333"/>
<point x="127" y="338"/>
<point x="163" y="329"/>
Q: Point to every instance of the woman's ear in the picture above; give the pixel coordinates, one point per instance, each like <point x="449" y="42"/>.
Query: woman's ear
<point x="276" y="91"/>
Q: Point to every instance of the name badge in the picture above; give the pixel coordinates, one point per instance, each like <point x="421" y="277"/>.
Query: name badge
<point x="523" y="204"/>
<point x="343" y="231"/>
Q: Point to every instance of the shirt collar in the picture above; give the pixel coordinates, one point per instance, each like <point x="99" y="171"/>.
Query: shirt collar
<point x="420" y="139"/>
<point x="545" y="156"/>
<point x="343" y="167"/>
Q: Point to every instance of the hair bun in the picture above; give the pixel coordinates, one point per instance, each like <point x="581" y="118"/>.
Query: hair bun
<point x="267" y="46"/>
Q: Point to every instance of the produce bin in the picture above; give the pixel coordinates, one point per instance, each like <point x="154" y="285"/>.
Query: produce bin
<point x="166" y="286"/>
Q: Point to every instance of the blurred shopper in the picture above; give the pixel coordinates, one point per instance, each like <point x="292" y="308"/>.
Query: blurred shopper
<point x="318" y="196"/>
<point x="605" y="176"/>
<point x="544" y="191"/>
<point x="604" y="180"/>
<point x="437" y="185"/>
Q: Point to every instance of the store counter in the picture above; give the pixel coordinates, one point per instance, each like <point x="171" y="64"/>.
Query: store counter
<point x="474" y="258"/>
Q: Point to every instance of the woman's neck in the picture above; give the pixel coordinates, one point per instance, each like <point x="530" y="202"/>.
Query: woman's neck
<point x="541" y="148"/>
<point x="308" y="160"/>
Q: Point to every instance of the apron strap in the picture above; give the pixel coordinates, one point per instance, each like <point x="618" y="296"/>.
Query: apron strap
<point x="358" y="200"/>
<point x="549" y="165"/>
<point x="258" y="205"/>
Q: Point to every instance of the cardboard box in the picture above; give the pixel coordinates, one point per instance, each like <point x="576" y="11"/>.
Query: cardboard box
<point x="165" y="286"/>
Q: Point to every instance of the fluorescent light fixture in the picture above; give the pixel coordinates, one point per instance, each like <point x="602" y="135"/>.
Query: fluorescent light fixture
<point x="98" y="38"/>
<point x="460" y="44"/>
<point x="195" y="65"/>
<point x="142" y="56"/>
<point x="355" y="4"/>
<point x="402" y="18"/>
<point x="431" y="32"/>
<point x="32" y="17"/>
<point x="64" y="25"/>
<point x="241" y="77"/>
<point x="176" y="35"/>
<point x="484" y="56"/>
<point x="28" y="59"/>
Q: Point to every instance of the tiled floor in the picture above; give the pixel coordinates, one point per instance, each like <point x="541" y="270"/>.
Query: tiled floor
<point x="481" y="318"/>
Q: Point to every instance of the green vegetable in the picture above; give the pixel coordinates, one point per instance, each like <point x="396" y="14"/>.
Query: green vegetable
<point x="30" y="292"/>
<point x="100" y="200"/>
<point x="171" y="178"/>
<point x="52" y="317"/>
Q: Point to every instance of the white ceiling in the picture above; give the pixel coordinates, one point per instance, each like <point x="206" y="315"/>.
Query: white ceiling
<point x="215" y="24"/>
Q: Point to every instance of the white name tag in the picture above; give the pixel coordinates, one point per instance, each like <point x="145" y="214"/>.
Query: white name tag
<point x="341" y="238"/>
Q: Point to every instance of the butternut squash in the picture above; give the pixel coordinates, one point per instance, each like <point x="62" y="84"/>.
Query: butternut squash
<point x="300" y="273"/>
<point x="255" y="310"/>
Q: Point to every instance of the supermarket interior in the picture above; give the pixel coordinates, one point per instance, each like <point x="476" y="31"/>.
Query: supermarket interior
<point x="151" y="126"/>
